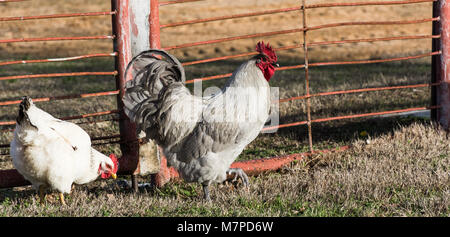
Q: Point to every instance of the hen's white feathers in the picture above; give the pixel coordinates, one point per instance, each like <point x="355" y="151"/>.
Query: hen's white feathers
<point x="51" y="152"/>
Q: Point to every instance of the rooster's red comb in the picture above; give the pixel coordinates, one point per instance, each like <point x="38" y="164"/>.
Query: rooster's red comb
<point x="266" y="50"/>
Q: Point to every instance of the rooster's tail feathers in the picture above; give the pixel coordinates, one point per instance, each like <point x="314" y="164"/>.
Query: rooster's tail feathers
<point x="152" y="71"/>
<point x="23" y="118"/>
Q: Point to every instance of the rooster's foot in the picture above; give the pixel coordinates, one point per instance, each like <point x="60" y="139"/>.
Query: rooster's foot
<point x="206" y="192"/>
<point x="238" y="173"/>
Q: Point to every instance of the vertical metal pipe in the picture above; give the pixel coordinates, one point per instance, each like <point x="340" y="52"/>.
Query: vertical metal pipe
<point x="435" y="60"/>
<point x="128" y="163"/>
<point x="155" y="42"/>
<point x="163" y="176"/>
<point x="442" y="65"/>
<point x="308" y="99"/>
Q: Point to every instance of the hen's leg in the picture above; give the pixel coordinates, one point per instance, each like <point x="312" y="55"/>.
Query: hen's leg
<point x="206" y="191"/>
<point x="238" y="173"/>
<point x="61" y="198"/>
<point x="42" y="194"/>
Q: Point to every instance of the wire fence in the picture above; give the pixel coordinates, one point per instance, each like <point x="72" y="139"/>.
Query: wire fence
<point x="302" y="10"/>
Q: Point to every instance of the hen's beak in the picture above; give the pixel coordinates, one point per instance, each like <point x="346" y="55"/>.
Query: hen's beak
<point x="114" y="176"/>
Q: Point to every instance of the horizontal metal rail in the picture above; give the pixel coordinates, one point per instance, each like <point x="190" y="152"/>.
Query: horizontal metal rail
<point x="348" y="117"/>
<point x="64" y="97"/>
<point x="315" y="44"/>
<point x="23" y="18"/>
<point x="359" y="23"/>
<point x="325" y="64"/>
<point x="357" y="91"/>
<point x="57" y="38"/>
<point x="4" y="123"/>
<point x="68" y="74"/>
<point x="354" y="4"/>
<point x="13" y="1"/>
<point x="412" y="37"/>
<point x="177" y="1"/>
<point x="374" y="60"/>
<point x="260" y="13"/>
<point x="58" y="59"/>
<point x="92" y="139"/>
<point x="233" y="38"/>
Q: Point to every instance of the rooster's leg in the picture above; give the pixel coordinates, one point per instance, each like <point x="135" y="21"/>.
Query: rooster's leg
<point x="61" y="198"/>
<point x="238" y="173"/>
<point x="206" y="191"/>
<point x="42" y="194"/>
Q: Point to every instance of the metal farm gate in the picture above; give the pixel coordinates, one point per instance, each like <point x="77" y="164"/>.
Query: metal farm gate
<point x="136" y="27"/>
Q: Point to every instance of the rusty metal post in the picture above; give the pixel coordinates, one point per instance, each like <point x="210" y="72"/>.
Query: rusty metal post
<point x="163" y="176"/>
<point x="132" y="30"/>
<point x="308" y="98"/>
<point x="442" y="65"/>
<point x="435" y="60"/>
<point x="121" y="29"/>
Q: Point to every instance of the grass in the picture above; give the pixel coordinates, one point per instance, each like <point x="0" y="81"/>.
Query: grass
<point x="396" y="166"/>
<point x="401" y="173"/>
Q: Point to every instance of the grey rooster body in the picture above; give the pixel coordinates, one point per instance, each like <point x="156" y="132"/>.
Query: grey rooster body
<point x="200" y="136"/>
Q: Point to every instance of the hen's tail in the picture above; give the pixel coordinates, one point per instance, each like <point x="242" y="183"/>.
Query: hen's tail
<point x="22" y="118"/>
<point x="153" y="72"/>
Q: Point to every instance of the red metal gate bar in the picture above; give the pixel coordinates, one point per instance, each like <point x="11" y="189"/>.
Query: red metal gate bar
<point x="92" y="139"/>
<point x="233" y="38"/>
<point x="64" y="97"/>
<point x="353" y="4"/>
<point x="237" y="55"/>
<point x="2" y="123"/>
<point x="358" y="91"/>
<point x="13" y="1"/>
<point x="375" y="39"/>
<point x="374" y="60"/>
<point x="299" y="30"/>
<point x="23" y="18"/>
<point x="313" y="44"/>
<point x="357" y="23"/>
<point x="325" y="64"/>
<point x="349" y="117"/>
<point x="57" y="38"/>
<point x="230" y="17"/>
<point x="60" y="75"/>
<point x="258" y="166"/>
<point x="177" y="1"/>
<point x="59" y="59"/>
<point x="283" y="10"/>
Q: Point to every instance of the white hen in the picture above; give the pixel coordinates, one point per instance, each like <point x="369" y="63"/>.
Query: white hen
<point x="51" y="153"/>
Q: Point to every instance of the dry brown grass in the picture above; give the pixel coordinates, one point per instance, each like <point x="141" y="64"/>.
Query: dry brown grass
<point x="397" y="174"/>
<point x="405" y="173"/>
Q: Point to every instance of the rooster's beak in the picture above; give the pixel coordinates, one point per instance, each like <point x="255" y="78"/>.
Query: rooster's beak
<point x="276" y="64"/>
<point x="114" y="176"/>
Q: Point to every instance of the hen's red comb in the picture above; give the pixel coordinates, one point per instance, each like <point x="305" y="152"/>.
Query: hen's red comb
<point x="266" y="50"/>
<point x="116" y="163"/>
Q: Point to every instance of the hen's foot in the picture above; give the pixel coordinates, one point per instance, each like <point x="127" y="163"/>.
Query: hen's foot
<point x="238" y="173"/>
<point x="61" y="199"/>
<point x="42" y="194"/>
